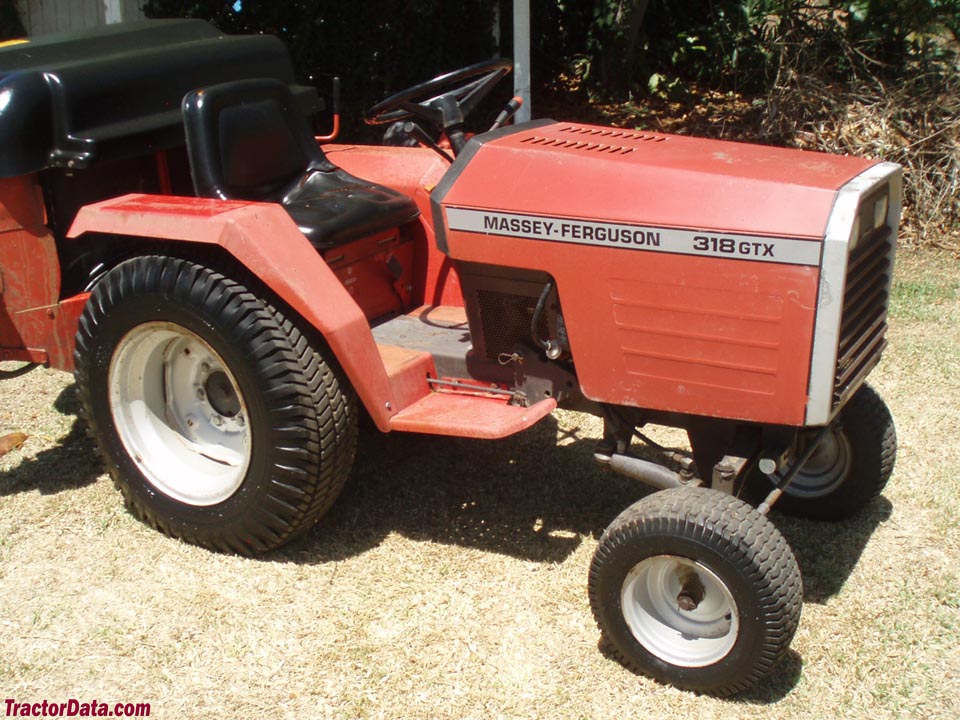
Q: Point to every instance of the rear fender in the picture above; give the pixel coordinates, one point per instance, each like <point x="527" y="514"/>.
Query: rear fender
<point x="34" y="326"/>
<point x="268" y="243"/>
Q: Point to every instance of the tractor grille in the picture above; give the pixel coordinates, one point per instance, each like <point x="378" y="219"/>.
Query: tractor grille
<point x="863" y="322"/>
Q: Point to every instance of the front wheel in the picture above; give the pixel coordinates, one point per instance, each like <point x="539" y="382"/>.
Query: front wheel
<point x="218" y="418"/>
<point x="849" y="468"/>
<point x="696" y="589"/>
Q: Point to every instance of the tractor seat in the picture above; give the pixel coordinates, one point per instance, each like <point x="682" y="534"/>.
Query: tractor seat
<point x="248" y="140"/>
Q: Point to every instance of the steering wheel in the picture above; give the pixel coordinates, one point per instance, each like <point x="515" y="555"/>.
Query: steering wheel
<point x="443" y="101"/>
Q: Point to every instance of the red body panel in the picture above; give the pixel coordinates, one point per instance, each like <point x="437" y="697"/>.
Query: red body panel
<point x="33" y="325"/>
<point x="663" y="180"/>
<point x="287" y="264"/>
<point x="483" y="418"/>
<point x="678" y="333"/>
<point x="414" y="172"/>
<point x="363" y="268"/>
<point x="706" y="335"/>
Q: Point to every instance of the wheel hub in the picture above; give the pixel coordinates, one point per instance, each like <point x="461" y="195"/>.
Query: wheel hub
<point x="692" y="591"/>
<point x="222" y="395"/>
<point x="826" y="469"/>
<point x="680" y="611"/>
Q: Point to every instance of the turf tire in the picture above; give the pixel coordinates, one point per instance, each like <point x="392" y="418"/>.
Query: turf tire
<point x="729" y="541"/>
<point x="301" y="411"/>
<point x="864" y="442"/>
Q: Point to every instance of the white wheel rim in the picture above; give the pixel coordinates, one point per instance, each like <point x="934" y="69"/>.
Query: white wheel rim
<point x="179" y="413"/>
<point x="683" y="637"/>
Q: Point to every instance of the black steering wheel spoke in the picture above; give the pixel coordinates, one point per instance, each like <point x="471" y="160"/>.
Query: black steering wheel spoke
<point x="444" y="101"/>
<point x="483" y="87"/>
<point x="422" y="112"/>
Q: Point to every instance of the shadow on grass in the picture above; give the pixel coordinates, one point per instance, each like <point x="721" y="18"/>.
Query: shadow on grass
<point x="71" y="463"/>
<point x="530" y="498"/>
<point x="525" y="496"/>
<point x="776" y="684"/>
<point x="772" y="687"/>
<point x="828" y="552"/>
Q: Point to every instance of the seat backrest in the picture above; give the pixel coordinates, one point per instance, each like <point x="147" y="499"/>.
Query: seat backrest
<point x="248" y="140"/>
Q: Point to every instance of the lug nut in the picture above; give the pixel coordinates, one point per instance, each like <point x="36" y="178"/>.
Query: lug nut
<point x="692" y="591"/>
<point x="687" y="603"/>
<point x="201" y="394"/>
<point x="217" y="420"/>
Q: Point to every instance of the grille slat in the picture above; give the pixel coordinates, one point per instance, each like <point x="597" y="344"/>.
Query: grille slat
<point x="871" y="302"/>
<point x="855" y="378"/>
<point x="857" y="335"/>
<point x="864" y="290"/>
<point x="868" y="359"/>
<point x="862" y="277"/>
<point x="861" y="347"/>
<point x="863" y="322"/>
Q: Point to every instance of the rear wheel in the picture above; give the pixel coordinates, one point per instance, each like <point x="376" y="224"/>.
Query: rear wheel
<point x="217" y="417"/>
<point x="849" y="468"/>
<point x="697" y="589"/>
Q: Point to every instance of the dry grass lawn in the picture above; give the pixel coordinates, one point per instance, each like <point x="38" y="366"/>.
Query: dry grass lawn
<point x="450" y="579"/>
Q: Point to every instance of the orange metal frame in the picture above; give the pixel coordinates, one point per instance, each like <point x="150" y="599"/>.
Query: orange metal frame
<point x="34" y="325"/>
<point x="710" y="336"/>
<point x="288" y="264"/>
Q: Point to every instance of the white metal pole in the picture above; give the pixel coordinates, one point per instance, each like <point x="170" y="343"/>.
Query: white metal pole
<point x="112" y="11"/>
<point x="521" y="57"/>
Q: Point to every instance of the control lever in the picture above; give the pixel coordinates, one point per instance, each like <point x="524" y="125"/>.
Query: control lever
<point x="508" y="112"/>
<point x="336" y="115"/>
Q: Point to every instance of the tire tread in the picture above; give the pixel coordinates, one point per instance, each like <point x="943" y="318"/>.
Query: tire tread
<point x="735" y="530"/>
<point x="312" y="407"/>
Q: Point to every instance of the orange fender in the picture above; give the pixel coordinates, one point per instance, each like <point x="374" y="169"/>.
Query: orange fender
<point x="268" y="243"/>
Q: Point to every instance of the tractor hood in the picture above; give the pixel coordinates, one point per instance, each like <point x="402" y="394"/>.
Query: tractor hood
<point x="627" y="185"/>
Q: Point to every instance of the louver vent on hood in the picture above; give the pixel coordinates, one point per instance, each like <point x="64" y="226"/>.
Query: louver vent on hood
<point x="604" y="140"/>
<point x="611" y="133"/>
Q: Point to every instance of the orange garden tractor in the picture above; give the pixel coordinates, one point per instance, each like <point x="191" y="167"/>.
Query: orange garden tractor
<point x="231" y="297"/>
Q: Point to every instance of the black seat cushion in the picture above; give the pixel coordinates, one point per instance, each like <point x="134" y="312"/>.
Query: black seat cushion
<point x="248" y="140"/>
<point x="333" y="207"/>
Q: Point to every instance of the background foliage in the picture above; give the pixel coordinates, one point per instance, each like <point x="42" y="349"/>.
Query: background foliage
<point x="656" y="45"/>
<point x="375" y="46"/>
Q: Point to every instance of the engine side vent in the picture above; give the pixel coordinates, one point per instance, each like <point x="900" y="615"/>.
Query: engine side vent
<point x="863" y="323"/>
<point x="505" y="321"/>
<point x="500" y="303"/>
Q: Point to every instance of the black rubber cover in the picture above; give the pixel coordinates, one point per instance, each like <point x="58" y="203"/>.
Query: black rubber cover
<point x="69" y="99"/>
